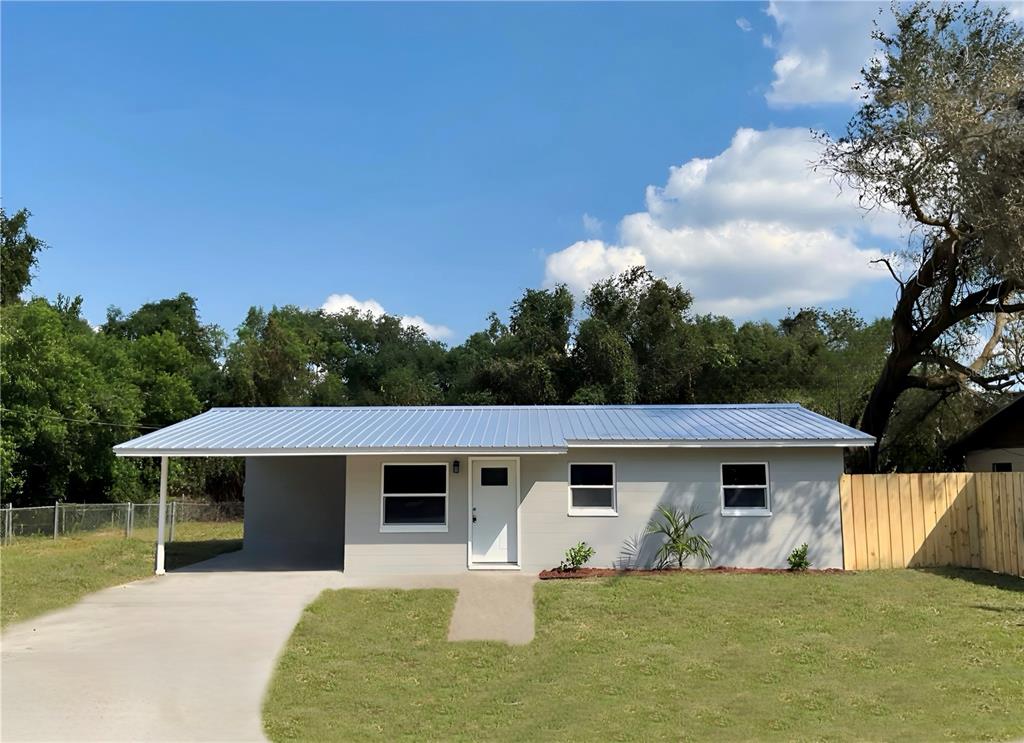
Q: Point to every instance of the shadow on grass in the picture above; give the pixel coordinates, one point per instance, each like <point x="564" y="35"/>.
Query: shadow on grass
<point x="979" y="578"/>
<point x="180" y="554"/>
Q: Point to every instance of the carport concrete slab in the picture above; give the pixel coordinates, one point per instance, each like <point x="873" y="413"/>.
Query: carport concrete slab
<point x="188" y="656"/>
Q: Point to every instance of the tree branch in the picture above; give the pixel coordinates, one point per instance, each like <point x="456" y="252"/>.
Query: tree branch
<point x="920" y="216"/>
<point x="965" y="372"/>
<point x="892" y="271"/>
<point x="977" y="303"/>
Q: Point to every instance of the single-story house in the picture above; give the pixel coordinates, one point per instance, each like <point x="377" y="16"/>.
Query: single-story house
<point x="448" y="489"/>
<point x="997" y="444"/>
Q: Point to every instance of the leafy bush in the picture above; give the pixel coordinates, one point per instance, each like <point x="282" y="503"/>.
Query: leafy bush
<point x="576" y="557"/>
<point x="798" y="558"/>
<point x="681" y="543"/>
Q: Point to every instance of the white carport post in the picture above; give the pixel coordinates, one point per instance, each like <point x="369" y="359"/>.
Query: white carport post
<point x="161" y="518"/>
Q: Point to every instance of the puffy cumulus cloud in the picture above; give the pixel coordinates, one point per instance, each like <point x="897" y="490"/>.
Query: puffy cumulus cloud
<point x="762" y="176"/>
<point x="752" y="230"/>
<point x="820" y="49"/>
<point x="588" y="261"/>
<point x="337" y="303"/>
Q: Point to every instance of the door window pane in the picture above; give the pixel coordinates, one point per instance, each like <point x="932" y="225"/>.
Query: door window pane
<point x="494" y="476"/>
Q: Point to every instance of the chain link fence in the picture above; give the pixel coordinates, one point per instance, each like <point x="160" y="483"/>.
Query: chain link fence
<point x="186" y="520"/>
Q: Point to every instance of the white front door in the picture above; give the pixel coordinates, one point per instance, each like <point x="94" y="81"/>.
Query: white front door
<point x="494" y="501"/>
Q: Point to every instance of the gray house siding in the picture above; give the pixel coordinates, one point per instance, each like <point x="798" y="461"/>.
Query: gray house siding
<point x="295" y="511"/>
<point x="368" y="550"/>
<point x="804" y="504"/>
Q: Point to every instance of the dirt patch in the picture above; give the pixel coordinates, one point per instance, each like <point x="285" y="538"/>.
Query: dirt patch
<point x="612" y="572"/>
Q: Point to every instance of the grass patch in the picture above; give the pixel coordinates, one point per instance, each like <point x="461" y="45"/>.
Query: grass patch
<point x="38" y="574"/>
<point x="888" y="655"/>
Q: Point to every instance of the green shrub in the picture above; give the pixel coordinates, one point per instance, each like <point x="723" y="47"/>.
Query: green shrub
<point x="576" y="557"/>
<point x="798" y="558"/>
<point x="680" y="542"/>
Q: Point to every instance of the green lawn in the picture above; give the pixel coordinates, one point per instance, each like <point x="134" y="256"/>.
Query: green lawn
<point x="38" y="574"/>
<point x="893" y="655"/>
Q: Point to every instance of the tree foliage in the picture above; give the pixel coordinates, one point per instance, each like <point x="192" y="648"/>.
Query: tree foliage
<point x="19" y="253"/>
<point x="940" y="139"/>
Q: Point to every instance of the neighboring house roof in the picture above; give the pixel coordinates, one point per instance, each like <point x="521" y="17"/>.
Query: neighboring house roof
<point x="540" y="428"/>
<point x="1004" y="428"/>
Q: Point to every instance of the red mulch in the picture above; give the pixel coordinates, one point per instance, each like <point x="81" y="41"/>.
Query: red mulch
<point x="612" y="572"/>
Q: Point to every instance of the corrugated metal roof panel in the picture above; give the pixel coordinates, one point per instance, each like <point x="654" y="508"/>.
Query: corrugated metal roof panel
<point x="238" y="431"/>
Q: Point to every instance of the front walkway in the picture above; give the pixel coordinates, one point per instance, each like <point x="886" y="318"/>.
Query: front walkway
<point x="491" y="605"/>
<point x="188" y="656"/>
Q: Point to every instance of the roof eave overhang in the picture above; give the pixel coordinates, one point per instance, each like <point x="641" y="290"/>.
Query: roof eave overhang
<point x="499" y="451"/>
<point x="334" y="452"/>
<point x="725" y="444"/>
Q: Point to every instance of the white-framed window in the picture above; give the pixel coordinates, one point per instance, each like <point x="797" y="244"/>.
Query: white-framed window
<point x="745" y="489"/>
<point x="592" y="489"/>
<point x="414" y="496"/>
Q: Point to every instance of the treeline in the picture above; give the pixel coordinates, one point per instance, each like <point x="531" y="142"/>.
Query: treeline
<point x="71" y="391"/>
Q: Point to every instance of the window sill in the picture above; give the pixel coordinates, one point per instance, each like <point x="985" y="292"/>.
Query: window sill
<point x="593" y="512"/>
<point x="746" y="512"/>
<point x="413" y="528"/>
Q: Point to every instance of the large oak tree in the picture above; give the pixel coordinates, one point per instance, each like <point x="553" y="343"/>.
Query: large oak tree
<point x="940" y="138"/>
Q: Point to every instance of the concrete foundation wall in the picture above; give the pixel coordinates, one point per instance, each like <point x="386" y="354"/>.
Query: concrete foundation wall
<point x="295" y="511"/>
<point x="804" y="501"/>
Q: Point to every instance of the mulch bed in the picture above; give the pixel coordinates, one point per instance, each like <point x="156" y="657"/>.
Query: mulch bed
<point x="557" y="574"/>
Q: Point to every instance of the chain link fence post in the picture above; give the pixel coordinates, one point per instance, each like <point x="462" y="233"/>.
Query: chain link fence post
<point x="174" y="515"/>
<point x="8" y="523"/>
<point x="56" y="518"/>
<point x="128" y="520"/>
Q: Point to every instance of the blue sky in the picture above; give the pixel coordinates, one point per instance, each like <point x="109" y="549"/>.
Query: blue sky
<point x="433" y="160"/>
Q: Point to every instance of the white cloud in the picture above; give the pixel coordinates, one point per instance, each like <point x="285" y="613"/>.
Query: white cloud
<point x="743" y="24"/>
<point x="820" y="50"/>
<point x="751" y="230"/>
<point x="337" y="303"/>
<point x="821" y="47"/>
<point x="589" y="261"/>
<point x="592" y="225"/>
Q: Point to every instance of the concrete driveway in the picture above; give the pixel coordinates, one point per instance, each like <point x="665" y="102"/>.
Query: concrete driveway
<point x="188" y="656"/>
<point x="183" y="657"/>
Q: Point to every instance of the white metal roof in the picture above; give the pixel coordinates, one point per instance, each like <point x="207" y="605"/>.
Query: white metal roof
<point x="469" y="429"/>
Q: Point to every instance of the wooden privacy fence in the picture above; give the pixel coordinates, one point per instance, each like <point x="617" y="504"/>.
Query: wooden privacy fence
<point x="967" y="519"/>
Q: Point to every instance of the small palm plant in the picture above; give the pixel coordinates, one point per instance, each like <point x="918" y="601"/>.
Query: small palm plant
<point x="681" y="543"/>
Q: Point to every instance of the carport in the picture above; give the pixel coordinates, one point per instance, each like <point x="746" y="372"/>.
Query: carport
<point x="294" y="498"/>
